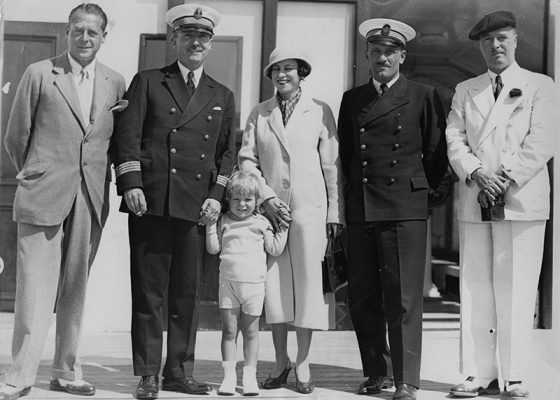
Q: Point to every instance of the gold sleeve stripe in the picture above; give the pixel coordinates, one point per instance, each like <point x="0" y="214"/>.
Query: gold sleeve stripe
<point x="222" y="180"/>
<point x="129" y="166"/>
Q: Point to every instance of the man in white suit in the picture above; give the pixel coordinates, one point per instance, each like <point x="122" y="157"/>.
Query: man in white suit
<point x="500" y="136"/>
<point x="58" y="138"/>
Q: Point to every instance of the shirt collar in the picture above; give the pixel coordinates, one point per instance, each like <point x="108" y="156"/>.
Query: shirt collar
<point x="77" y="68"/>
<point x="377" y="85"/>
<point x="185" y="71"/>
<point x="506" y="74"/>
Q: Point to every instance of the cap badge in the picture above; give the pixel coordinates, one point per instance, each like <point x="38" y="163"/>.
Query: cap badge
<point x="198" y="13"/>
<point x="386" y="30"/>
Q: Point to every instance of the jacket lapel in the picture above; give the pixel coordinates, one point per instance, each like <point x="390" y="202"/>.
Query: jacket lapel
<point x="275" y="122"/>
<point x="202" y="95"/>
<point x="176" y="85"/>
<point x="365" y="103"/>
<point x="503" y="106"/>
<point x="303" y="106"/>
<point x="392" y="99"/>
<point x="64" y="81"/>
<point x="482" y="95"/>
<point x="100" y="94"/>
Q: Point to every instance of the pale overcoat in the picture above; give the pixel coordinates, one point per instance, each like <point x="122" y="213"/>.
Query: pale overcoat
<point x="53" y="148"/>
<point x="514" y="133"/>
<point x="299" y="164"/>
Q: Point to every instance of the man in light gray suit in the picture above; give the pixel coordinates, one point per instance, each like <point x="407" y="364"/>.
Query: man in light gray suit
<point x="58" y="138"/>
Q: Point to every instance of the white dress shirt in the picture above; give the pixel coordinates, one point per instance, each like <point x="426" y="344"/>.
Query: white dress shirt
<point x="185" y="71"/>
<point x="84" y="85"/>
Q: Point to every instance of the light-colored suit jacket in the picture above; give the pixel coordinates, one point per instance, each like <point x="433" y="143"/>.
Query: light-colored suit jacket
<point x="53" y="148"/>
<point x="310" y="157"/>
<point x="514" y="133"/>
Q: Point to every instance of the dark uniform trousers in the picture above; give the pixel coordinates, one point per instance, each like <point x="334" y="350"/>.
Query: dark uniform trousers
<point x="174" y="257"/>
<point x="380" y="254"/>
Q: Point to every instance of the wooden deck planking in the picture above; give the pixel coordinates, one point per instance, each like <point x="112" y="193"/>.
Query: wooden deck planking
<point x="336" y="366"/>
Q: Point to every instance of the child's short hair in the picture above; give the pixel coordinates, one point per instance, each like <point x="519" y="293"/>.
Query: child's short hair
<point x="244" y="183"/>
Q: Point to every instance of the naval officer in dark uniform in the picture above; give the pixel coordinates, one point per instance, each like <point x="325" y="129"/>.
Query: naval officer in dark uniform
<point x="175" y="147"/>
<point x="392" y="149"/>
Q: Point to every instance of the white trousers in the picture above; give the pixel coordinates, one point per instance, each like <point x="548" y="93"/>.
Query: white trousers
<point x="500" y="267"/>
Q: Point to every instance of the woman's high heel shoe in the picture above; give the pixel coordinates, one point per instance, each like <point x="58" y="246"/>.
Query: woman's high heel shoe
<point x="304" y="387"/>
<point x="275" y="383"/>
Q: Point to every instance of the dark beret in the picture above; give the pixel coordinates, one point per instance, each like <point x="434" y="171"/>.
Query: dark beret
<point x="491" y="22"/>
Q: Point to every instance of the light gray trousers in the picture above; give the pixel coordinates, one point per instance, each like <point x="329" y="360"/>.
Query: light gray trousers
<point x="51" y="260"/>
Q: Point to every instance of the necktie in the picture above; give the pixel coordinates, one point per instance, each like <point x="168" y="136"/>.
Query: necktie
<point x="383" y="88"/>
<point x="190" y="82"/>
<point x="85" y="93"/>
<point x="499" y="86"/>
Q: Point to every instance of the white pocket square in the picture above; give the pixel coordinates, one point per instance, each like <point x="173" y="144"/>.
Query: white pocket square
<point x="119" y="105"/>
<point x="217" y="108"/>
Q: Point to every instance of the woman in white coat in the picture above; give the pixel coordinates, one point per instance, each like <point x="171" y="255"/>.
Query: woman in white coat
<point x="291" y="142"/>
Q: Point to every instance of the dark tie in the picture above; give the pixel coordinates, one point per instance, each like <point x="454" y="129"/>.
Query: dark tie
<point x="499" y="86"/>
<point x="190" y="86"/>
<point x="383" y="88"/>
<point x="190" y="82"/>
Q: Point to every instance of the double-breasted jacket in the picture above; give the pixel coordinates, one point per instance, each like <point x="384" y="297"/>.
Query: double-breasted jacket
<point x="392" y="150"/>
<point x="179" y="152"/>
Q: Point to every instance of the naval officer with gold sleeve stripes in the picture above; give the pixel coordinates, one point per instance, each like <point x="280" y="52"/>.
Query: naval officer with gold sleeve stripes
<point x="175" y="148"/>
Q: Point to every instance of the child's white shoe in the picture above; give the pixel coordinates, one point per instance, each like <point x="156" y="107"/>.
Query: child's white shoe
<point x="227" y="388"/>
<point x="250" y="384"/>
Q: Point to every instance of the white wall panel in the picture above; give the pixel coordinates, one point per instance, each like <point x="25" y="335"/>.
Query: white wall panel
<point x="244" y="18"/>
<point x="325" y="32"/>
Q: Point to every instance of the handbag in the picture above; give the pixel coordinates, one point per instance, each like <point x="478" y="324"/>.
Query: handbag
<point x="334" y="265"/>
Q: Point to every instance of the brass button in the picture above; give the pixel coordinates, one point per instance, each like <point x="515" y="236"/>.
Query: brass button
<point x="198" y="176"/>
<point x="286" y="184"/>
<point x="173" y="171"/>
<point x="399" y="127"/>
<point x="364" y="180"/>
<point x="392" y="180"/>
<point x="174" y="130"/>
<point x="364" y="164"/>
<point x="363" y="147"/>
<point x="209" y="118"/>
<point x="396" y="146"/>
<point x="173" y="150"/>
<point x="362" y="130"/>
<point x="172" y="110"/>
<point x="202" y="156"/>
<point x="206" y="137"/>
<point x="394" y="162"/>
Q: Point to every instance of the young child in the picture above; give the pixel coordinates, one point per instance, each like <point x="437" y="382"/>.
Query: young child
<point x="244" y="238"/>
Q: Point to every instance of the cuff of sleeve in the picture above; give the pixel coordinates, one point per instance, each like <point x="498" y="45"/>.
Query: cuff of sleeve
<point x="128" y="180"/>
<point x="217" y="192"/>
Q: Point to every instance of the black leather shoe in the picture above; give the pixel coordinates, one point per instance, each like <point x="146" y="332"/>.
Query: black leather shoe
<point x="470" y="388"/>
<point x="148" y="387"/>
<point x="185" y="385"/>
<point x="375" y="384"/>
<point x="81" y="387"/>
<point x="405" y="392"/>
<point x="11" y="393"/>
<point x="275" y="383"/>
